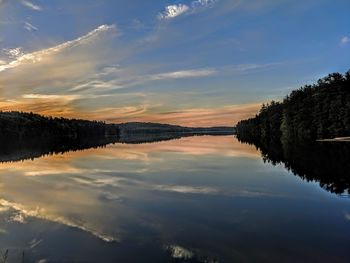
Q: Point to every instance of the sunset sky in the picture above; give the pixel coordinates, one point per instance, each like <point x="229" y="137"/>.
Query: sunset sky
<point x="190" y="62"/>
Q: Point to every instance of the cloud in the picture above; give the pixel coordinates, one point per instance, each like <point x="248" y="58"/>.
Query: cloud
<point x="344" y="40"/>
<point x="29" y="27"/>
<point x="118" y="78"/>
<point x="249" y="68"/>
<point x="202" y="3"/>
<point x="13" y="53"/>
<point x="18" y="218"/>
<point x="225" y="115"/>
<point x="37" y="56"/>
<point x="185" y="189"/>
<point x="31" y="5"/>
<point x="40" y="213"/>
<point x="45" y="104"/>
<point x="184" y="74"/>
<point x="51" y="97"/>
<point x="53" y="70"/>
<point x="347" y="216"/>
<point x="179" y="252"/>
<point x="173" y="11"/>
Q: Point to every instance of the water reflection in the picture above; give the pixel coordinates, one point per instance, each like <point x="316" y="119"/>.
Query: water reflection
<point x="11" y="151"/>
<point x="324" y="162"/>
<point x="195" y="199"/>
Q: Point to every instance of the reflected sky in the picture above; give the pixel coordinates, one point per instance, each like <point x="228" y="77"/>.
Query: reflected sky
<point x="205" y="199"/>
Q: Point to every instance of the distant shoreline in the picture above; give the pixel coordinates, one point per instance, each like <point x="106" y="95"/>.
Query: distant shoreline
<point x="338" y="139"/>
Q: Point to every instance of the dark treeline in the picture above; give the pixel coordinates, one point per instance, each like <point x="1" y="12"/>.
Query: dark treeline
<point x="22" y="126"/>
<point x="143" y="132"/>
<point x="317" y="111"/>
<point x="136" y="128"/>
<point x="28" y="135"/>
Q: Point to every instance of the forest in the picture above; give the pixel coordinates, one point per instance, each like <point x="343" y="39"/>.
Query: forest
<point x="24" y="126"/>
<point x="318" y="111"/>
<point x="286" y="132"/>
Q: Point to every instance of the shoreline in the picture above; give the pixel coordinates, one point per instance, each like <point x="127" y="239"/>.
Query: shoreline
<point x="338" y="139"/>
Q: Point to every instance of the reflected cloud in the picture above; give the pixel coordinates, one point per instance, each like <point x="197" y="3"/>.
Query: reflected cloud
<point x="79" y="189"/>
<point x="179" y="252"/>
<point x="35" y="242"/>
<point x="41" y="213"/>
<point x="187" y="189"/>
<point x="18" y="218"/>
<point x="347" y="216"/>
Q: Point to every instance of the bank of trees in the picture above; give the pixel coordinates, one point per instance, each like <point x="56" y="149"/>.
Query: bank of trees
<point x="20" y="125"/>
<point x="317" y="111"/>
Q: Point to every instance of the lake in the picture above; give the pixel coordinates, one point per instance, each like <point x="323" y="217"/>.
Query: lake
<point x="194" y="199"/>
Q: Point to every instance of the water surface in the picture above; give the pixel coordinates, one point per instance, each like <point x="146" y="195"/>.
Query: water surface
<point x="195" y="199"/>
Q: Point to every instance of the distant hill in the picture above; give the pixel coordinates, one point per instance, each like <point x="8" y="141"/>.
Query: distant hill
<point x="141" y="132"/>
<point x="148" y="127"/>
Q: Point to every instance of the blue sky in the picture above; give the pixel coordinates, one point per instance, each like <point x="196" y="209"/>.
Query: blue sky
<point x="199" y="62"/>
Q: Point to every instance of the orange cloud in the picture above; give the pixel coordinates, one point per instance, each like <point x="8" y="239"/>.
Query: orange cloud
<point x="228" y="115"/>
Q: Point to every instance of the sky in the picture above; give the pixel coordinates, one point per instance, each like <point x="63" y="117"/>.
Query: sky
<point x="189" y="62"/>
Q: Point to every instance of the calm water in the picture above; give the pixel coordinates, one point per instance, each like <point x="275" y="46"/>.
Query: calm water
<point x="196" y="199"/>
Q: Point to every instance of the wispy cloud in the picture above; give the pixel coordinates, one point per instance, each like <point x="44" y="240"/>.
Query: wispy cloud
<point x="13" y="53"/>
<point x="126" y="78"/>
<point x="347" y="216"/>
<point x="344" y="40"/>
<point x="24" y="212"/>
<point x="45" y="104"/>
<point x="29" y="27"/>
<point x="39" y="81"/>
<point x="226" y="115"/>
<point x="183" y="74"/>
<point x="38" y="56"/>
<point x="50" y="97"/>
<point x="31" y="5"/>
<point x="172" y="11"/>
<point x="249" y="68"/>
<point x="202" y="3"/>
<point x="179" y="252"/>
<point x="185" y="189"/>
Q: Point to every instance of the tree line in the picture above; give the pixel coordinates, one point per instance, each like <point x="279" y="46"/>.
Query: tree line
<point x="24" y="126"/>
<point x="317" y="111"/>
